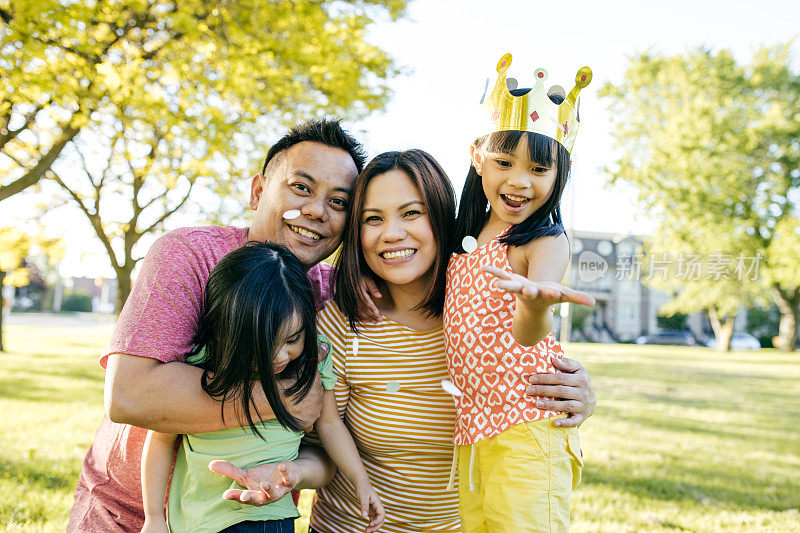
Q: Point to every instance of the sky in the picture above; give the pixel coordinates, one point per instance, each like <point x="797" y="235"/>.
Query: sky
<point x="448" y="49"/>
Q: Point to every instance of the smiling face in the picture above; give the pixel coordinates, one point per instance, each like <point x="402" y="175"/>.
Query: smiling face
<point x="514" y="185"/>
<point x="289" y="345"/>
<point x="314" y="180"/>
<point x="396" y="236"/>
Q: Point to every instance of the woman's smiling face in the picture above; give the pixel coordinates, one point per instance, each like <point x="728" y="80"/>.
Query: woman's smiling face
<point x="396" y="236"/>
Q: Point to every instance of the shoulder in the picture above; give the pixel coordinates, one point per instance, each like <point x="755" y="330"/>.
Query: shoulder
<point x="542" y="259"/>
<point x="330" y="316"/>
<point x="205" y="244"/>
<point x="552" y="244"/>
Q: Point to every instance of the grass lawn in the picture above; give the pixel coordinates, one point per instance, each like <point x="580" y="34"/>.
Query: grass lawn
<point x="684" y="439"/>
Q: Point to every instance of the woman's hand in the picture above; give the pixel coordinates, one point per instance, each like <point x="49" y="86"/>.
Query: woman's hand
<point x="371" y="508"/>
<point x="541" y="293"/>
<point x="572" y="389"/>
<point x="263" y="484"/>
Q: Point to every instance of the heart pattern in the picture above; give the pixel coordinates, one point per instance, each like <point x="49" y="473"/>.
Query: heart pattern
<point x="483" y="358"/>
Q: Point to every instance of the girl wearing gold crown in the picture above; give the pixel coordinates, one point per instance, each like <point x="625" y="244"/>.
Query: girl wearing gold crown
<point x="517" y="462"/>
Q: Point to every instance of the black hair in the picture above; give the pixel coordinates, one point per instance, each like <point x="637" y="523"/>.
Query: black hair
<point x="325" y="131"/>
<point x="440" y="202"/>
<point x="473" y="208"/>
<point x="250" y="298"/>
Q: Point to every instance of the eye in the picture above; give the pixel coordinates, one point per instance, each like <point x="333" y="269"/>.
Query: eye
<point x="412" y="213"/>
<point x="372" y="219"/>
<point x="294" y="339"/>
<point x="540" y="170"/>
<point x="503" y="163"/>
<point x="302" y="187"/>
<point x="339" y="203"/>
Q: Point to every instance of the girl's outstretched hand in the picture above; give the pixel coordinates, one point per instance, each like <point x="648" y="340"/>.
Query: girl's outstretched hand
<point x="371" y="508"/>
<point x="263" y="484"/>
<point x="540" y="292"/>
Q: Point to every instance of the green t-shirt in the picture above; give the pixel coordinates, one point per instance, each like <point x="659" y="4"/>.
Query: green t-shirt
<point x="195" y="496"/>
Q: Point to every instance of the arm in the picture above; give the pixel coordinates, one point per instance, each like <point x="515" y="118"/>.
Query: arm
<point x="547" y="261"/>
<point x="340" y="447"/>
<point x="167" y="397"/>
<point x="156" y="463"/>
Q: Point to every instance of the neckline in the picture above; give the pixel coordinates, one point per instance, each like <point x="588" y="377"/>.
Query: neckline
<point x="487" y="243"/>
<point x="388" y="321"/>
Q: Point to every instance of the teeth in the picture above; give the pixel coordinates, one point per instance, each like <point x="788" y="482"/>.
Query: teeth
<point x="398" y="254"/>
<point x="305" y="233"/>
<point x="515" y="198"/>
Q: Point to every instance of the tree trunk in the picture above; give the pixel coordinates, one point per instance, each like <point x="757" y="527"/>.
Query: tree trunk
<point x="123" y="286"/>
<point x="723" y="329"/>
<point x="789" y="306"/>
<point x="2" y="309"/>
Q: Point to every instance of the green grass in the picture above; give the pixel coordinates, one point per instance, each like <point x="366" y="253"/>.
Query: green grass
<point x="684" y="439"/>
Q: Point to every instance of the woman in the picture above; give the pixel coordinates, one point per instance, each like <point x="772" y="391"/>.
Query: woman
<point x="389" y="372"/>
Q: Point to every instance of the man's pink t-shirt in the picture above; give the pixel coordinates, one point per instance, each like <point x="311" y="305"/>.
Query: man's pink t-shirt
<point x="159" y="320"/>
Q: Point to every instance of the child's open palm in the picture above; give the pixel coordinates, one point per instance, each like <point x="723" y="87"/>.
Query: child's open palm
<point x="543" y="293"/>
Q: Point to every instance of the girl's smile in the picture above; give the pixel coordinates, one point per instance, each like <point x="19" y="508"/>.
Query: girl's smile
<point x="514" y="185"/>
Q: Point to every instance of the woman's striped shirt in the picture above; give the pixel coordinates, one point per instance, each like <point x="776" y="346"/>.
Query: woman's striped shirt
<point x="389" y="394"/>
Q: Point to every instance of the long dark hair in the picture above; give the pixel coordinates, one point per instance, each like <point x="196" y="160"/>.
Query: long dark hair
<point x="473" y="209"/>
<point x="250" y="298"/>
<point x="440" y="202"/>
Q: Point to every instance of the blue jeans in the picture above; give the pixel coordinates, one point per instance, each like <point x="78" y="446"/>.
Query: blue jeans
<point x="262" y="526"/>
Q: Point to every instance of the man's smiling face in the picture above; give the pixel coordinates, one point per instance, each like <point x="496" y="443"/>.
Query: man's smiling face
<point x="313" y="179"/>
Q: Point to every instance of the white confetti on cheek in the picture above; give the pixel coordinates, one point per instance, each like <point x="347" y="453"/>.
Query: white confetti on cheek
<point x="450" y="388"/>
<point x="291" y="214"/>
<point x="469" y="244"/>
<point x="393" y="386"/>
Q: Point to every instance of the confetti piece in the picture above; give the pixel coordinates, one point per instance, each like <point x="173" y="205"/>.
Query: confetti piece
<point x="451" y="389"/>
<point x="355" y="346"/>
<point x="393" y="386"/>
<point x="291" y="214"/>
<point x="469" y="244"/>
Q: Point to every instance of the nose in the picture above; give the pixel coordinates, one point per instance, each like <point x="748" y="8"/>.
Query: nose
<point x="314" y="208"/>
<point x="520" y="179"/>
<point x="394" y="231"/>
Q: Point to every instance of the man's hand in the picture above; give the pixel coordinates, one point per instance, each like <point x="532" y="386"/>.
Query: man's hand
<point x="263" y="484"/>
<point x="572" y="389"/>
<point x="369" y="292"/>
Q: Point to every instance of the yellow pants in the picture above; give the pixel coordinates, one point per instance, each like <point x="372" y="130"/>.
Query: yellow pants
<point x="521" y="479"/>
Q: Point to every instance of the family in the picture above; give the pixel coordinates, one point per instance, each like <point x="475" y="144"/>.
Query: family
<point x="425" y="356"/>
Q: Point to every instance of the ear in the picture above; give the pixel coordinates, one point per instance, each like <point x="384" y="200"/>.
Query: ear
<point x="256" y="190"/>
<point x="477" y="157"/>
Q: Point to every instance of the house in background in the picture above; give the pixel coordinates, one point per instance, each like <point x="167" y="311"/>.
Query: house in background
<point x="605" y="266"/>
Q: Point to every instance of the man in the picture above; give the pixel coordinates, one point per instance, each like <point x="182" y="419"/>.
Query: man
<point x="300" y="200"/>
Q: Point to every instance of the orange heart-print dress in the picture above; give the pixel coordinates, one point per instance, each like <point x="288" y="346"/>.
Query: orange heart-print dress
<point x="484" y="360"/>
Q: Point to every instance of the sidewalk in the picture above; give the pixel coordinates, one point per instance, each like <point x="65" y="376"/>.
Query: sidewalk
<point x="59" y="319"/>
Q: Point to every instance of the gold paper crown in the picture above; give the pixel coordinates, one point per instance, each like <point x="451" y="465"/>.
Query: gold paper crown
<point x="549" y="112"/>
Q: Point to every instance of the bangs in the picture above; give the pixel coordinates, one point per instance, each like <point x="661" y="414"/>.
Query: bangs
<point x="541" y="148"/>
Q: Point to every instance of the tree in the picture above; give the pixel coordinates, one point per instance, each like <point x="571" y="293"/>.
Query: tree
<point x="713" y="148"/>
<point x="14" y="246"/>
<point x="132" y="106"/>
